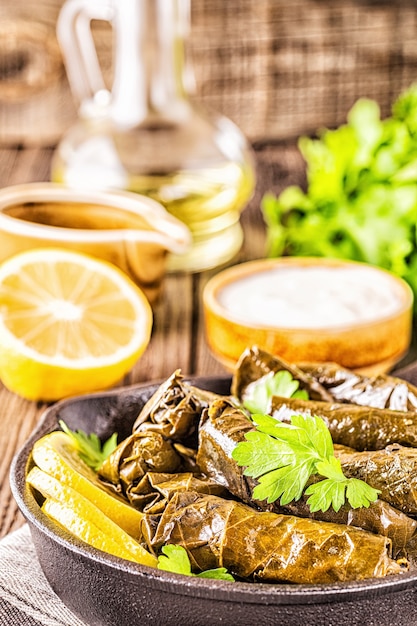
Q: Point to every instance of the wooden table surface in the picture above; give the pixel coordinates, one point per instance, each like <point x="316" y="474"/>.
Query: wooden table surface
<point x="178" y="339"/>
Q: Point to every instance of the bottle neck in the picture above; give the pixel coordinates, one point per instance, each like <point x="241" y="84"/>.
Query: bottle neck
<point x="152" y="78"/>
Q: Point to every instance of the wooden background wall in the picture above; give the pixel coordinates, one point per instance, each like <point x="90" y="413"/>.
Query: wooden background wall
<point x="277" y="68"/>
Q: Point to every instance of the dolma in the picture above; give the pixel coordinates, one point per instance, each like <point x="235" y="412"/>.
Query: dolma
<point x="379" y="517"/>
<point x="153" y="461"/>
<point x="153" y="491"/>
<point x="140" y="453"/>
<point x="352" y="425"/>
<point x="382" y="391"/>
<point x="393" y="471"/>
<point x="256" y="363"/>
<point x="174" y="410"/>
<point x="270" y="547"/>
<point x="224" y="425"/>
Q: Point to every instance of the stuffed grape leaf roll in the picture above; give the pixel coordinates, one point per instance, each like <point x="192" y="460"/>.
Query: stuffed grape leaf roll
<point x="140" y="466"/>
<point x="359" y="427"/>
<point x="326" y="381"/>
<point x="140" y="453"/>
<point x="382" y="391"/>
<point x="146" y="469"/>
<point x="224" y="425"/>
<point x="393" y="471"/>
<point x="267" y="546"/>
<point x="154" y="490"/>
<point x="379" y="517"/>
<point x="174" y="410"/>
<point x="256" y="363"/>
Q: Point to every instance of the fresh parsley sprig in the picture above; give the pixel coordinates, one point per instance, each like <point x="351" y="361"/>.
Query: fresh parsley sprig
<point x="90" y="448"/>
<point x="284" y="456"/>
<point x="174" y="558"/>
<point x="274" y="384"/>
<point x="354" y="172"/>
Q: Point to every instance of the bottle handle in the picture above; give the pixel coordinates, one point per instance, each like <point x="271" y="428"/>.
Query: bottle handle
<point x="78" y="49"/>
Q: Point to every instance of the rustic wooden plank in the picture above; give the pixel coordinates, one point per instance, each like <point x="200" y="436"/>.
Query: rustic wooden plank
<point x="24" y="166"/>
<point x="170" y="347"/>
<point x="277" y="69"/>
<point x="18" y="418"/>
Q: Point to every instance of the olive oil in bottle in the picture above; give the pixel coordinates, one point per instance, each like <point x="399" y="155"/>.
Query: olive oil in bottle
<point x="147" y="135"/>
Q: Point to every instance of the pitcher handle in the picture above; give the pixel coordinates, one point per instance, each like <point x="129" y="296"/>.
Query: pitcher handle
<point x="78" y="49"/>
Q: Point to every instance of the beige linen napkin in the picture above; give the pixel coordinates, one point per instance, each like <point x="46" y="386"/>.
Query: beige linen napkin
<point x="26" y="599"/>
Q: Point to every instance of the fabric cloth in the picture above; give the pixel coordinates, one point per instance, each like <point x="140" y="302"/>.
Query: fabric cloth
<point x="26" y="599"/>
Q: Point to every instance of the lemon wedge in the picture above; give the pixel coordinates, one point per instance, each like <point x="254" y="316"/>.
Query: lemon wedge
<point x="69" y="324"/>
<point x="83" y="519"/>
<point x="56" y="454"/>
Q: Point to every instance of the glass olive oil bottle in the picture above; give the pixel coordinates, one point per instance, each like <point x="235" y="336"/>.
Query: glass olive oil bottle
<point x="147" y="134"/>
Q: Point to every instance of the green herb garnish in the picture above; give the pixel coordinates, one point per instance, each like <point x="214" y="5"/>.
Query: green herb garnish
<point x="360" y="200"/>
<point x="283" y="457"/>
<point x="274" y="384"/>
<point x="90" y="448"/>
<point x="175" y="559"/>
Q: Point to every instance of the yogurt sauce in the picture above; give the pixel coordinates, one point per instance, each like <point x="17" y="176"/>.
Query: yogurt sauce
<point x="311" y="297"/>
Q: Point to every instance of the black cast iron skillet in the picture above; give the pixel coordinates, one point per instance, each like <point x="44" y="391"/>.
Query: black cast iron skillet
<point x="107" y="591"/>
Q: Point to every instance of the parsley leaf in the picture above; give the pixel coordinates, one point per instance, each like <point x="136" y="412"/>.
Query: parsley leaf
<point x="261" y="453"/>
<point x="284" y="456"/>
<point x="273" y="384"/>
<point x="90" y="449"/>
<point x="175" y="559"/>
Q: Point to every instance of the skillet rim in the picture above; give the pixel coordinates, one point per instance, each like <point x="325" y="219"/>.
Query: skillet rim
<point x="246" y="592"/>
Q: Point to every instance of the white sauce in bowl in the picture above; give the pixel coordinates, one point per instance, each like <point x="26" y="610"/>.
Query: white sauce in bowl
<point x="311" y="297"/>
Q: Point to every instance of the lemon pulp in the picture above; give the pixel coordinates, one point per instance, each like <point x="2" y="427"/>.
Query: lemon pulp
<point x="69" y="324"/>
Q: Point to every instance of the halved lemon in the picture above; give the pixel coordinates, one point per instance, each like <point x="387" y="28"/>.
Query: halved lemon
<point x="57" y="455"/>
<point x="83" y="519"/>
<point x="69" y="324"/>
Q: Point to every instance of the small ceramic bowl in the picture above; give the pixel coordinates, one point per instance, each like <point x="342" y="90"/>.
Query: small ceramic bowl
<point x="132" y="231"/>
<point x="310" y="309"/>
